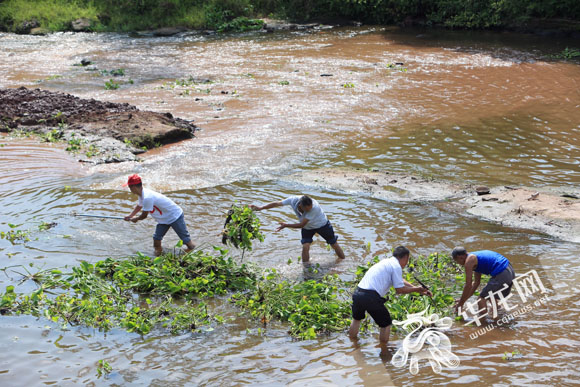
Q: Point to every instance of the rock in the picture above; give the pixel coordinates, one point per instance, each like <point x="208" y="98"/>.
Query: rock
<point x="81" y="25"/>
<point x="39" y="31"/>
<point x="85" y="62"/>
<point x="27" y="26"/>
<point x="482" y="190"/>
<point x="326" y="75"/>
<point x="106" y="125"/>
<point x="167" y="31"/>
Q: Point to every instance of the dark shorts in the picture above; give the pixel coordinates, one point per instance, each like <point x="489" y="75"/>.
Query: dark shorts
<point x="369" y="301"/>
<point x="326" y="231"/>
<point x="498" y="282"/>
<point x="178" y="226"/>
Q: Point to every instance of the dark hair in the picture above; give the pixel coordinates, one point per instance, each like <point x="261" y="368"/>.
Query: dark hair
<point x="458" y="251"/>
<point x="401" y="252"/>
<point x="305" y="201"/>
<point x="137" y="185"/>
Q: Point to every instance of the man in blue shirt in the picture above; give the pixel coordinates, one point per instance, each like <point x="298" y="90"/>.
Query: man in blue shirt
<point x="483" y="262"/>
<point x="312" y="220"/>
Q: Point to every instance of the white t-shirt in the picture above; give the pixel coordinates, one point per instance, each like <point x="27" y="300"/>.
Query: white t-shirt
<point x="316" y="217"/>
<point x="382" y="275"/>
<point x="160" y="207"/>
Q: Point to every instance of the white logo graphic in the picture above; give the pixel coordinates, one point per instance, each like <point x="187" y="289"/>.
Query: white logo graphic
<point x="438" y="350"/>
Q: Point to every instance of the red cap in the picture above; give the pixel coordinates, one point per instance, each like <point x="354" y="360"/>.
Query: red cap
<point x="133" y="180"/>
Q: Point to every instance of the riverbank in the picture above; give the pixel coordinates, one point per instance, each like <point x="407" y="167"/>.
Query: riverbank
<point x="547" y="211"/>
<point x="94" y="131"/>
<point x="42" y="16"/>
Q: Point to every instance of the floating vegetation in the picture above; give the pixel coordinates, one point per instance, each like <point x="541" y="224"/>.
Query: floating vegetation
<point x="513" y="355"/>
<point x="348" y="85"/>
<point x="135" y="294"/>
<point x="396" y="66"/>
<point x="284" y="83"/>
<point x="15" y="235"/>
<point x="50" y="78"/>
<point x="111" y="85"/>
<point x="311" y="307"/>
<point x="114" y="72"/>
<point x="141" y="293"/>
<point x="103" y="368"/>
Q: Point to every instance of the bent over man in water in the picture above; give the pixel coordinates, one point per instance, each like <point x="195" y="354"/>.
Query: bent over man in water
<point x="483" y="262"/>
<point x="370" y="292"/>
<point x="312" y="220"/>
<point x="162" y="209"/>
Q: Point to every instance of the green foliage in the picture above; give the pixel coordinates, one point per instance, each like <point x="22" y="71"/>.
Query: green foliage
<point x="237" y="15"/>
<point x="348" y="85"/>
<point x="106" y="294"/>
<point x="103" y="368"/>
<point x="311" y="307"/>
<point x="111" y="85"/>
<point x="242" y="227"/>
<point x="54" y="135"/>
<point x="284" y="83"/>
<point x="567" y="54"/>
<point x="438" y="271"/>
<point x="15" y="235"/>
<point x="74" y="144"/>
<point x="55" y="15"/>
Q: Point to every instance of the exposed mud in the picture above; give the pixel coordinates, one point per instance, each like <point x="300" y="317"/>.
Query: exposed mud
<point x="102" y="131"/>
<point x="382" y="184"/>
<point x="544" y="211"/>
<point x="553" y="213"/>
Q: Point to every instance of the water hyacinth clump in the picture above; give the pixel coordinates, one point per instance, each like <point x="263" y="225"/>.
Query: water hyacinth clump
<point x="140" y="293"/>
<point x="135" y="294"/>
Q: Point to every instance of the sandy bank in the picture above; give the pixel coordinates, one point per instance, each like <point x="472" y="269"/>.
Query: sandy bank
<point x="553" y="213"/>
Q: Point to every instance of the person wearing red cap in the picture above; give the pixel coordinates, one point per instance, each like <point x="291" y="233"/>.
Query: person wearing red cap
<point x="162" y="209"/>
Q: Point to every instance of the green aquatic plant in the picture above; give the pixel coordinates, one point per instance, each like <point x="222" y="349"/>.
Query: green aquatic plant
<point x="111" y="85"/>
<point x="103" y="368"/>
<point x="311" y="307"/>
<point x="284" y="83"/>
<point x="438" y="271"/>
<point x="137" y="294"/>
<point x="242" y="226"/>
<point x="15" y="235"/>
<point x="348" y="85"/>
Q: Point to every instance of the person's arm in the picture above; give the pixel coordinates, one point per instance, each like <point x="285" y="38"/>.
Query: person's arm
<point x="266" y="206"/>
<point x="293" y="225"/>
<point x="470" y="263"/>
<point x="135" y="211"/>
<point x="409" y="288"/>
<point x="476" y="282"/>
<point x="140" y="217"/>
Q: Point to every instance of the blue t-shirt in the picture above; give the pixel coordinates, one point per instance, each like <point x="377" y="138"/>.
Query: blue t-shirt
<point x="316" y="217"/>
<point x="490" y="263"/>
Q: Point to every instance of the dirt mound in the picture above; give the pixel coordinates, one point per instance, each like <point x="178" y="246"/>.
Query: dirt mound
<point x="43" y="111"/>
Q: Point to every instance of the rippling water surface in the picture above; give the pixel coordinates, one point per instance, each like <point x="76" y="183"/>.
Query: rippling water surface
<point x="480" y="108"/>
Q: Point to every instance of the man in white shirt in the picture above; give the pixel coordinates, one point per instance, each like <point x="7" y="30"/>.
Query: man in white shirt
<point x="162" y="209"/>
<point x="312" y="221"/>
<point x="371" y="290"/>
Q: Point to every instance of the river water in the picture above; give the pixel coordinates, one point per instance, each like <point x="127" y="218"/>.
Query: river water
<point x="482" y="108"/>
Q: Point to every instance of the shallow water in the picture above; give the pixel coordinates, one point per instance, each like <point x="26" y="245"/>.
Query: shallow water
<point x="482" y="108"/>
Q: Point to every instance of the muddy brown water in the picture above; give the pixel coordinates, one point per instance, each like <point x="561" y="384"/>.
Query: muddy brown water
<point x="483" y="108"/>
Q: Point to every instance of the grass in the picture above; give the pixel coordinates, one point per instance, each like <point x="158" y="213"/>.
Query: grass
<point x="54" y="15"/>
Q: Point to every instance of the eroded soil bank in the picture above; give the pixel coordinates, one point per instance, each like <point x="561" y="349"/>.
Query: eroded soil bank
<point x="97" y="132"/>
<point x="554" y="213"/>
